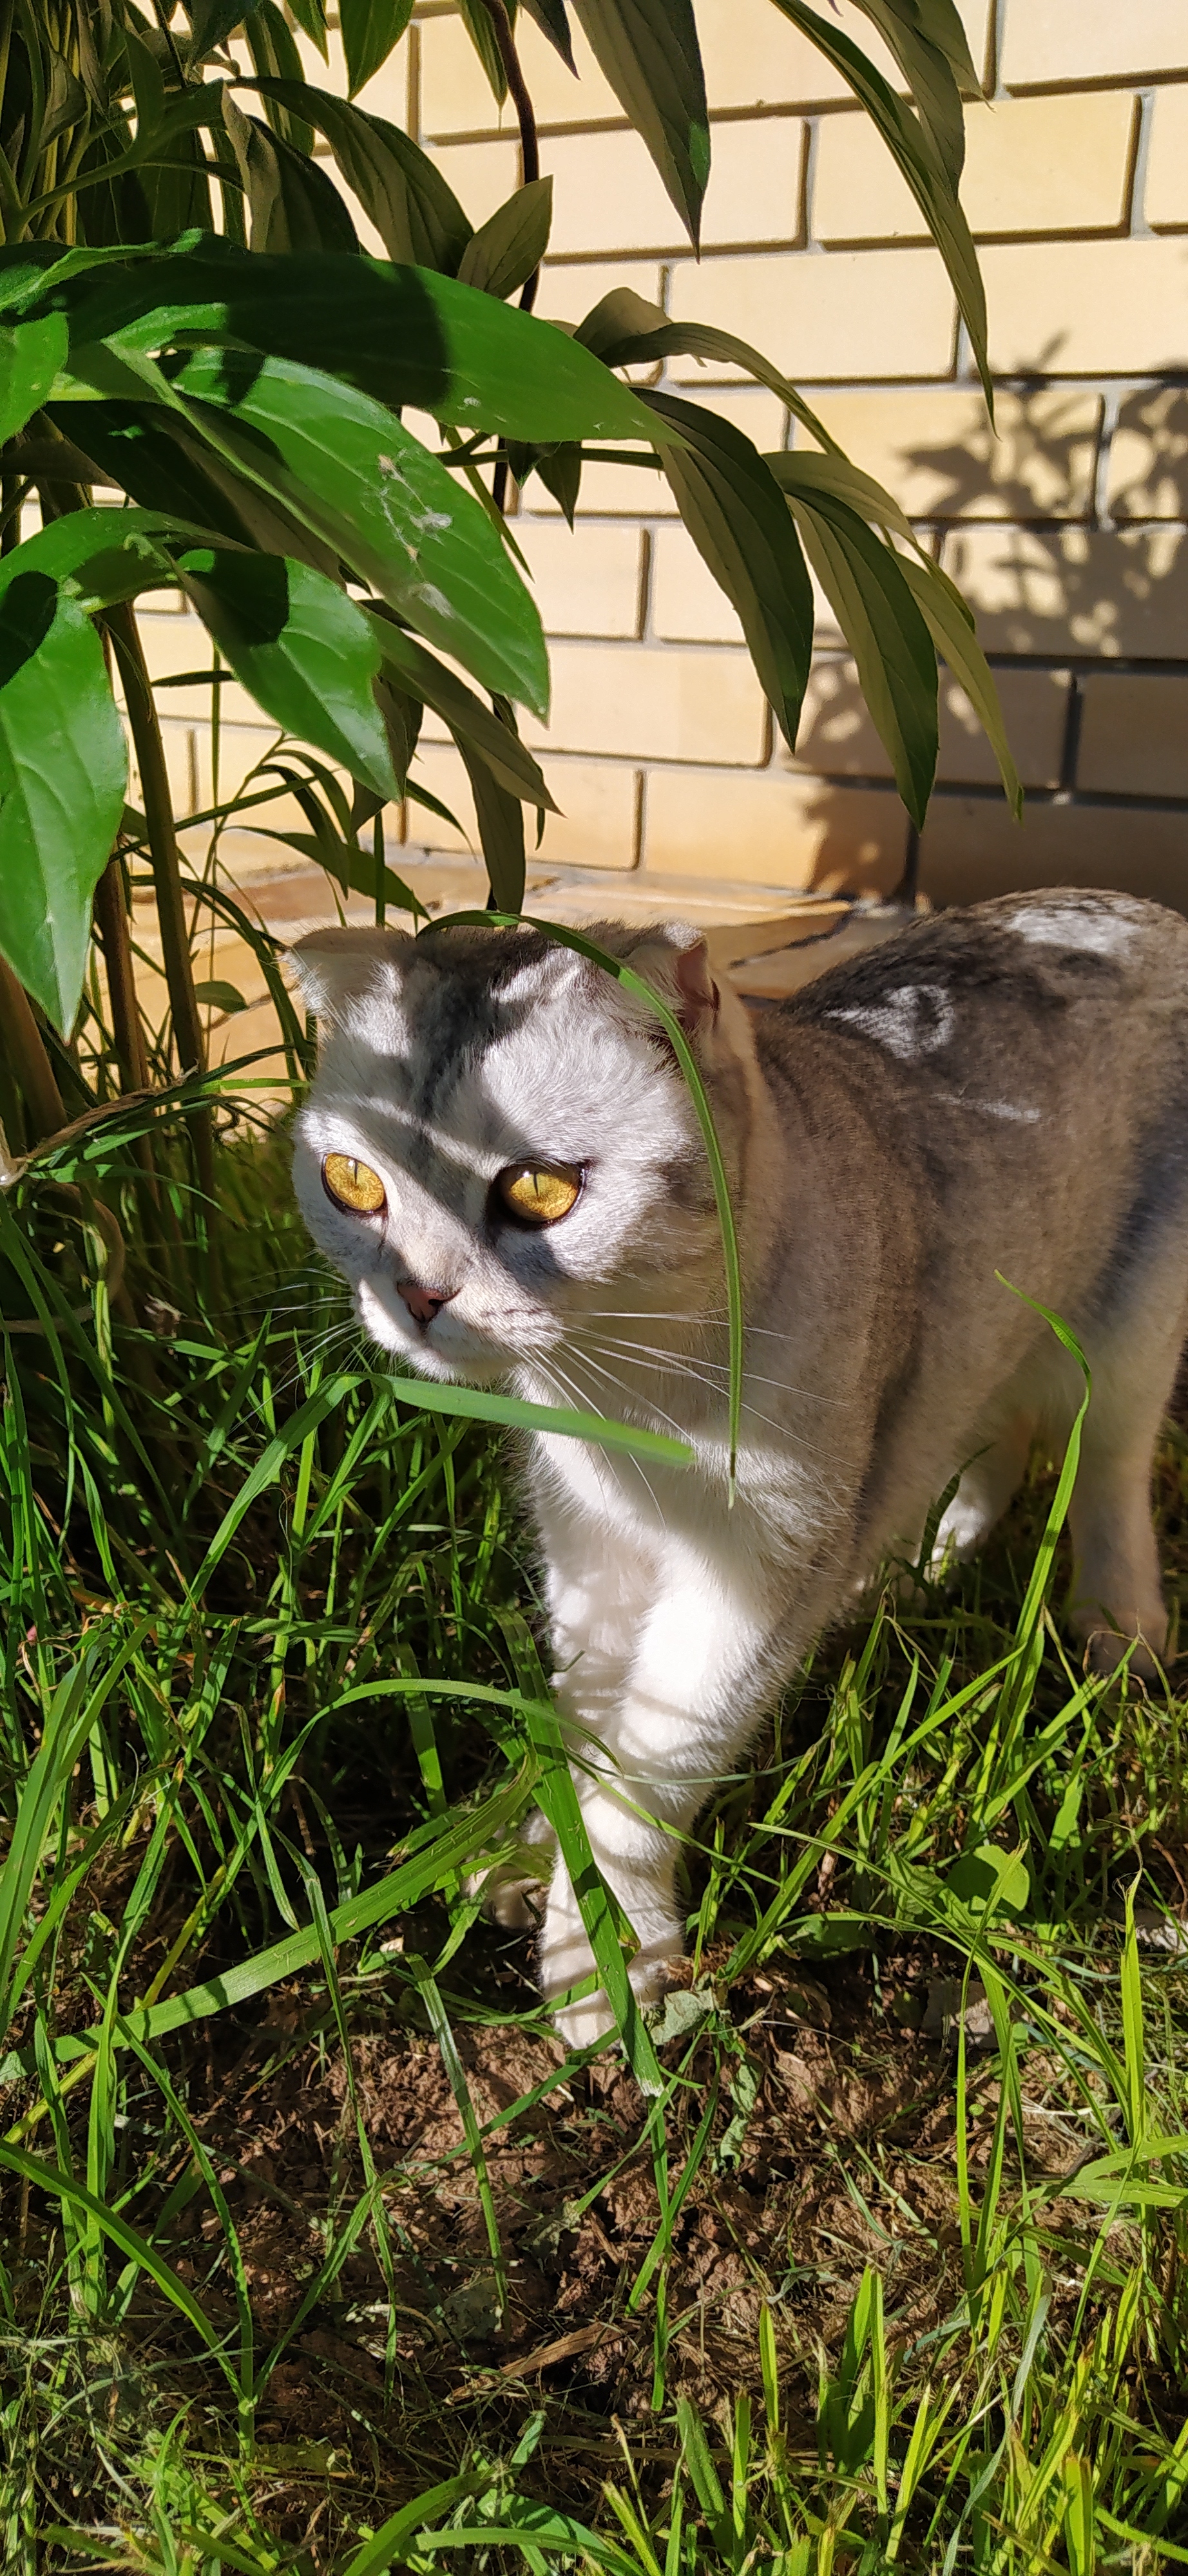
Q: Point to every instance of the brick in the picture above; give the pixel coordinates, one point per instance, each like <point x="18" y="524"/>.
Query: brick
<point x="1033" y="165"/>
<point x="570" y="290"/>
<point x="970" y="848"/>
<point x="827" y="314"/>
<point x="586" y="580"/>
<point x="482" y="175"/>
<point x="1134" y="733"/>
<point x="241" y="747"/>
<point x="771" y="829"/>
<point x="755" y="182"/>
<point x="1167" y="165"/>
<point x="655" y="703"/>
<point x="441" y="769"/>
<point x="755" y="59"/>
<point x="595" y="829"/>
<point x="182" y="765"/>
<point x="838" y="739"/>
<point x="1087" y="308"/>
<point x="937" y="454"/>
<point x="1049" y="41"/>
<point x="1035" y="713"/>
<point x="456" y="97"/>
<point x="597" y="825"/>
<point x="1148" y="477"/>
<point x="1093" y="591"/>
<point x="688" y="606"/>
<point x="608" y="195"/>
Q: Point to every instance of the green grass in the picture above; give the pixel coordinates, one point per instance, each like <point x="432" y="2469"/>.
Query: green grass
<point x="318" y="2253"/>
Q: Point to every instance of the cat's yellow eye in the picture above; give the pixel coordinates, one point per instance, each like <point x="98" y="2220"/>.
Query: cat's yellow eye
<point x="539" y="1193"/>
<point x="353" y="1185"/>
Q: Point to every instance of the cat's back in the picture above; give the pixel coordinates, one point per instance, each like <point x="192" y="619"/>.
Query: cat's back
<point x="1042" y="990"/>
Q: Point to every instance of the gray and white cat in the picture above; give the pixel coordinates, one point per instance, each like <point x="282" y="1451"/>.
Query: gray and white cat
<point x="501" y="1155"/>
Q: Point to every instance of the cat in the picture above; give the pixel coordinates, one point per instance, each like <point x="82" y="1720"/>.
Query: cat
<point x="500" y="1154"/>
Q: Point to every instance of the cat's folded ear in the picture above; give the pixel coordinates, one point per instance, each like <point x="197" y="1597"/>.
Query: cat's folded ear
<point x="335" y="967"/>
<point x="673" y="957"/>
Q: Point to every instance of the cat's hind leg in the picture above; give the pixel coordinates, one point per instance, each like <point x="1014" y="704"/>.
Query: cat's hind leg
<point x="1133" y="1354"/>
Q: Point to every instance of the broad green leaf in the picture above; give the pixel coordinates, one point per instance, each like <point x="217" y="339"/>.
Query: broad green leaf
<point x="561" y="474"/>
<point x="878" y="616"/>
<point x="276" y="56"/>
<point x="649" y="52"/>
<point x="413" y="669"/>
<point x="365" y="485"/>
<point x="311" y="18"/>
<point x="952" y="629"/>
<point x="402" y="713"/>
<point x="834" y="475"/>
<point x="624" y="330"/>
<point x="164" y="463"/>
<point x="414" y="210"/>
<point x="63" y="779"/>
<point x="510" y="246"/>
<point x="500" y="819"/>
<point x="215" y="995"/>
<point x="913" y="149"/>
<point x="404" y="334"/>
<point x="734" y="512"/>
<point x="302" y="647"/>
<point x="212" y="21"/>
<point x="930" y="45"/>
<point x="31" y="354"/>
<point x="477" y="20"/>
<point x="549" y="16"/>
<point x="292" y="204"/>
<point x="990" y="1879"/>
<point x="148" y="87"/>
<point x="370" y="30"/>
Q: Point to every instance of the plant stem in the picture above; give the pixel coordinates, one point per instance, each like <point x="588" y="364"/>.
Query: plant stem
<point x="529" y="169"/>
<point x="29" y="1057"/>
<point x="111" y="920"/>
<point x="162" y="835"/>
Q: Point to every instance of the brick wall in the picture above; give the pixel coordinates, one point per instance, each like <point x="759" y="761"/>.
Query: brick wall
<point x="1066" y="530"/>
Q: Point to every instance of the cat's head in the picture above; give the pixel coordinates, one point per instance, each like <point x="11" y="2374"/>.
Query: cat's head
<point x="499" y="1142"/>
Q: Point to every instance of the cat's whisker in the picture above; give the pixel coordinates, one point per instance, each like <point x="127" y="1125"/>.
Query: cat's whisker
<point x="680" y="1368"/>
<point x="682" y="1359"/>
<point x="590" y="1404"/>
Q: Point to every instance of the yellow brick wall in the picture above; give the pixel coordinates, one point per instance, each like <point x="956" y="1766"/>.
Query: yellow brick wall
<point x="1068" y="529"/>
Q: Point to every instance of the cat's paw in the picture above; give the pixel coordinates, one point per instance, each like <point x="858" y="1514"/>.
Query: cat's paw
<point x="517" y="1903"/>
<point x="590" y="2019"/>
<point x="1106" y="1651"/>
<point x="514" y="1890"/>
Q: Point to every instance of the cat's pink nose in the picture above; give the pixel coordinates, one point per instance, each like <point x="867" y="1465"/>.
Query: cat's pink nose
<point x="423" y="1303"/>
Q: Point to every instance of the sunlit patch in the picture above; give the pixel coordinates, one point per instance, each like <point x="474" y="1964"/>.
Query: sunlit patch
<point x="1066" y="925"/>
<point x="916" y="1019"/>
<point x="540" y="1193"/>
<point x="353" y="1185"/>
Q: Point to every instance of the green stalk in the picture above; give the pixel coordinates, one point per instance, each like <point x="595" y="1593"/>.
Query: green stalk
<point x="29" y="1057"/>
<point x="111" y="917"/>
<point x="162" y="835"/>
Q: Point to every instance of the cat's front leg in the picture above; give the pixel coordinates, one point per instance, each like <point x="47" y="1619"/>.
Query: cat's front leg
<point x="644" y="1762"/>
